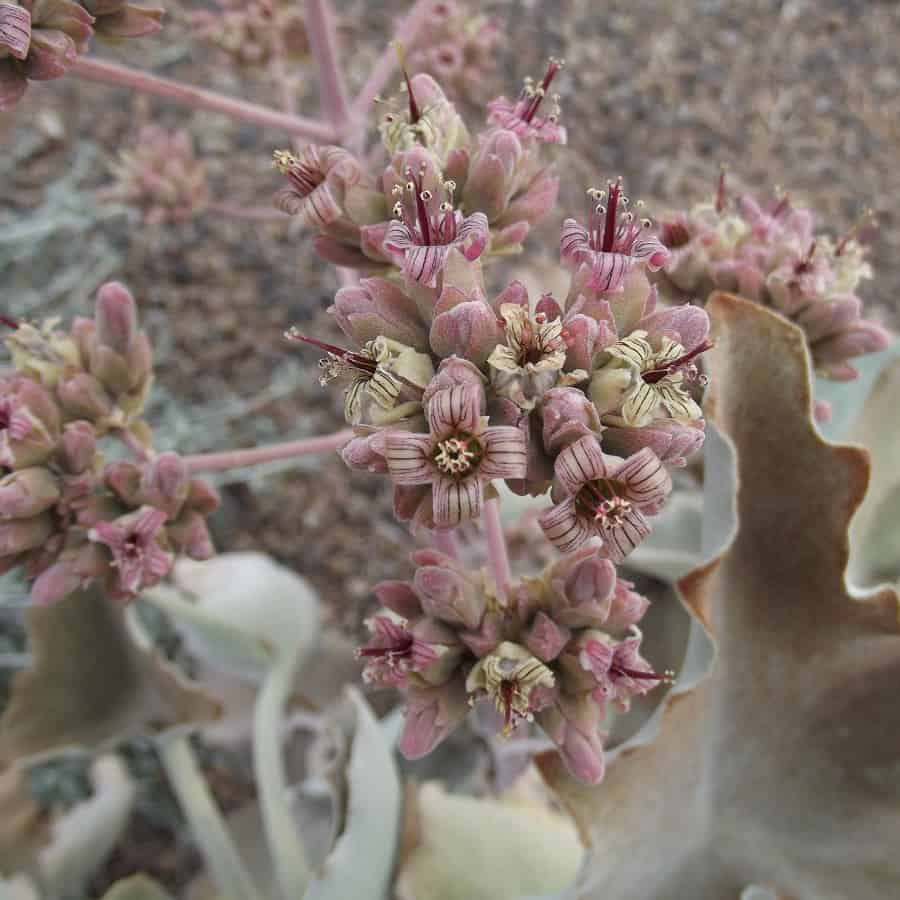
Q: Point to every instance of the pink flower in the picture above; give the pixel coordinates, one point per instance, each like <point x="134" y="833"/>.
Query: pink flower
<point x="608" y="498"/>
<point x="319" y="177"/>
<point x="427" y="226"/>
<point x="611" y="243"/>
<point x="520" y="116"/>
<point x="458" y="455"/>
<point x="392" y="652"/>
<point x="137" y="555"/>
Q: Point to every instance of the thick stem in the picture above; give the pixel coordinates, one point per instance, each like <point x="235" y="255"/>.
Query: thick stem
<point x="226" y="869"/>
<point x="199" y="98"/>
<point x="498" y="559"/>
<point x="387" y="62"/>
<point x="333" y="89"/>
<point x="254" y="456"/>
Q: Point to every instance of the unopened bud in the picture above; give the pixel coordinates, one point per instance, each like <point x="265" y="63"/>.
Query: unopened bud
<point x="78" y="447"/>
<point x="115" y="317"/>
<point x="27" y="493"/>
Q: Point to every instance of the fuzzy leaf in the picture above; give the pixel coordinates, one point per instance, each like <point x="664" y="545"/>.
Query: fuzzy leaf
<point x="90" y="684"/>
<point x="779" y="768"/>
<point x="361" y="863"/>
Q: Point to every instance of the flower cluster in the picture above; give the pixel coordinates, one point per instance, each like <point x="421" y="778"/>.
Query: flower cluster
<point x="555" y="649"/>
<point x="67" y="516"/>
<point x="456" y="47"/>
<point x="161" y="176"/>
<point x="770" y="252"/>
<point x="41" y="39"/>
<point x="253" y="32"/>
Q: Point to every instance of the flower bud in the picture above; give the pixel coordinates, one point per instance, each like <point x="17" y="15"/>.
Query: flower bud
<point x="581" y="587"/>
<point x="468" y="329"/>
<point x="566" y="416"/>
<point x="452" y="371"/>
<point x="82" y="396"/>
<point x="115" y="317"/>
<point x="164" y="483"/>
<point x="573" y="724"/>
<point x="431" y="714"/>
<point x="15" y="30"/>
<point x="19" y="535"/>
<point x="29" y="423"/>
<point x="378" y="308"/>
<point x="447" y="595"/>
<point x="27" y="492"/>
<point x="673" y="442"/>
<point x="363" y="454"/>
<point x="493" y="174"/>
<point x="545" y="638"/>
<point x="78" y="447"/>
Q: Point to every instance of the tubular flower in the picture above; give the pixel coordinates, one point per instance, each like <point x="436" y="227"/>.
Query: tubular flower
<point x="605" y="497"/>
<point x="458" y="455"/>
<point x="521" y="116"/>
<point x="647" y="383"/>
<point x="318" y="179"/>
<point x="611" y="243"/>
<point x="427" y="226"/>
<point x="386" y="372"/>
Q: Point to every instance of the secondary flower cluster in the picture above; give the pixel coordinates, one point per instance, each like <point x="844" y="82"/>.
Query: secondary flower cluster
<point x="555" y="649"/>
<point x="67" y="516"/>
<point x="41" y="39"/>
<point x="771" y="253"/>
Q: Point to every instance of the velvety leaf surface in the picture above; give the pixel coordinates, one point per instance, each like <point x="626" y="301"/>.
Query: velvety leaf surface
<point x="780" y="768"/>
<point x="90" y="683"/>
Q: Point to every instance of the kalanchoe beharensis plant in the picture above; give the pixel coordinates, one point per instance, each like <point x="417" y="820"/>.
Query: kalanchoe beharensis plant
<point x="451" y="388"/>
<point x="770" y="251"/>
<point x="70" y="514"/>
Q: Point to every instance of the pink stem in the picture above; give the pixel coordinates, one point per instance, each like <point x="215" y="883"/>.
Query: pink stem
<point x="320" y="33"/>
<point x="498" y="559"/>
<point x="251" y="213"/>
<point x="138" y="450"/>
<point x="236" y="459"/>
<point x="387" y="62"/>
<point x="446" y="542"/>
<point x="198" y="98"/>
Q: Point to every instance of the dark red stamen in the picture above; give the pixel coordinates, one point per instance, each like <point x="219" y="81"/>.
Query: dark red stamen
<point x="721" y="197"/>
<point x="655" y="375"/>
<point x="9" y="322"/>
<point x="507" y="694"/>
<point x="612" y="207"/>
<point x="552" y="68"/>
<point x="806" y="262"/>
<point x="403" y="648"/>
<point x="348" y="356"/>
<point x="782" y="206"/>
<point x="636" y="674"/>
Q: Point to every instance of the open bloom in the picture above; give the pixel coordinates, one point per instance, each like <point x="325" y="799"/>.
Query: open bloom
<point x="458" y="455"/>
<point x="137" y="556"/>
<point x="318" y="177"/>
<point x="606" y="497"/>
<point x="427" y="226"/>
<point x="521" y="116"/>
<point x="612" y="242"/>
<point x="647" y="383"/>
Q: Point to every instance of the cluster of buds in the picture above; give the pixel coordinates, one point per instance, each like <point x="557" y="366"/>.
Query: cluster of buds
<point x="770" y="252"/>
<point x="456" y="47"/>
<point x="555" y="650"/>
<point x="440" y="189"/>
<point x="161" y="176"/>
<point x="41" y="39"/>
<point x="67" y="516"/>
<point x="253" y="32"/>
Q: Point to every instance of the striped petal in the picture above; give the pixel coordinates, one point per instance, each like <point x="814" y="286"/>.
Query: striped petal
<point x="580" y="463"/>
<point x="15" y="29"/>
<point x="397" y="238"/>
<point x="641" y="405"/>
<point x="653" y="251"/>
<point x="678" y="402"/>
<point x="620" y="540"/>
<point x="608" y="271"/>
<point x="408" y="457"/>
<point x="384" y="388"/>
<point x="563" y="527"/>
<point x="575" y="241"/>
<point x="455" y="409"/>
<point x="456" y="500"/>
<point x="633" y="350"/>
<point x="505" y="453"/>
<point x="472" y="237"/>
<point x="423" y="263"/>
<point x="645" y="479"/>
<point x="318" y="208"/>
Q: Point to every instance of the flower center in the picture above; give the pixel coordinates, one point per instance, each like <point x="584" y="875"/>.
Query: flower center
<point x="396" y="658"/>
<point x="602" y="501"/>
<point x="430" y="222"/>
<point x="532" y="97"/>
<point x="684" y="364"/>
<point x="304" y="174"/>
<point x="611" y="226"/>
<point x="458" y="455"/>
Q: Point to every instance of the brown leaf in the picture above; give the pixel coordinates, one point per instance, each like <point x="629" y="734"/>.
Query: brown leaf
<point x="90" y="684"/>
<point x="780" y="767"/>
<point x="24" y="825"/>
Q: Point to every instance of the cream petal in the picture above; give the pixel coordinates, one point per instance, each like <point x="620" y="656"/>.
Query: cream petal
<point x="563" y="527"/>
<point x="408" y="457"/>
<point x="505" y="453"/>
<point x="456" y="500"/>
<point x="678" y="402"/>
<point x="641" y="404"/>
<point x="633" y="350"/>
<point x="580" y="463"/>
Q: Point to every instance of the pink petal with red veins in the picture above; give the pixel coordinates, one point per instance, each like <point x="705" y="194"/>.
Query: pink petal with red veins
<point x="608" y="271"/>
<point x="148" y="522"/>
<point x="455" y="409"/>
<point x="505" y="453"/>
<point x="456" y="500"/>
<point x="408" y="457"/>
<point x="646" y="481"/>
<point x="620" y="540"/>
<point x="422" y="264"/>
<point x="652" y="250"/>
<point x="563" y="527"/>
<point x="15" y="29"/>
<point x="574" y="242"/>
<point x="580" y="463"/>
<point x="472" y="236"/>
